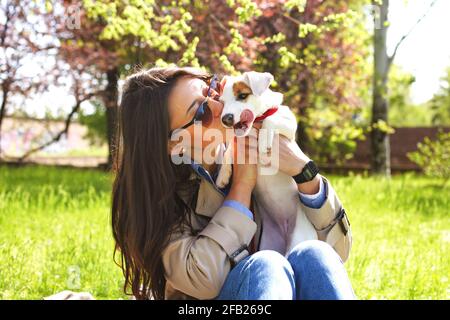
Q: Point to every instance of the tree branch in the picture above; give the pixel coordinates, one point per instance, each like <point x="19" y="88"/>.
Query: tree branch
<point x="220" y="24"/>
<point x="59" y="135"/>
<point x="9" y="15"/>
<point x="403" y="38"/>
<point x="297" y="22"/>
<point x="211" y="35"/>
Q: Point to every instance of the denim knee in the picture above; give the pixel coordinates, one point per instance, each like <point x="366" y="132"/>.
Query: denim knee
<point x="265" y="274"/>
<point x="269" y="259"/>
<point x="319" y="272"/>
<point x="312" y="252"/>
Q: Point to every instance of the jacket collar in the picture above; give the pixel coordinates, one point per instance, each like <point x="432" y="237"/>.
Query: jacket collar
<point x="209" y="198"/>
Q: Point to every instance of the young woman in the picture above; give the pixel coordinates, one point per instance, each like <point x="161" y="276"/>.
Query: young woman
<point x="179" y="235"/>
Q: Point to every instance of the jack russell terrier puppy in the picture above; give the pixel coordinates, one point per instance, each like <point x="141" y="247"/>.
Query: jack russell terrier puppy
<point x="247" y="98"/>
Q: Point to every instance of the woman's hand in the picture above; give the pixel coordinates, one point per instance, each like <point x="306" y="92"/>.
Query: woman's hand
<point x="291" y="161"/>
<point x="244" y="167"/>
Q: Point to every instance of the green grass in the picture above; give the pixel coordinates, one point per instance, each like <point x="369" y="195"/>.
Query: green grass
<point x="54" y="222"/>
<point x="55" y="235"/>
<point x="401" y="234"/>
<point x="93" y="151"/>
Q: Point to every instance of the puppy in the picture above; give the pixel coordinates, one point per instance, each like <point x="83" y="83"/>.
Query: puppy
<point x="248" y="98"/>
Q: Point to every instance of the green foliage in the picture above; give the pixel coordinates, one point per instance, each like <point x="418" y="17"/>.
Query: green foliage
<point x="276" y="38"/>
<point x="297" y="4"/>
<point x="305" y="28"/>
<point x="245" y="10"/>
<point x="440" y="104"/>
<point x="382" y="126"/>
<point x="96" y="124"/>
<point x="235" y="44"/>
<point x="287" y="57"/>
<point x="126" y="19"/>
<point x="157" y="27"/>
<point x="331" y="142"/>
<point x="53" y="219"/>
<point x="402" y="111"/>
<point x="316" y="50"/>
<point x="189" y="57"/>
<point x="320" y="66"/>
<point x="434" y="156"/>
<point x="411" y="116"/>
<point x="227" y="65"/>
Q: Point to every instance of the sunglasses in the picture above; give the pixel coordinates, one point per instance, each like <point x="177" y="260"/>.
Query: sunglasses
<point x="203" y="113"/>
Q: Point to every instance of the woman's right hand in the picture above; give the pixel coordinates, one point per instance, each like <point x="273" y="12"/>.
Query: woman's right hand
<point x="244" y="167"/>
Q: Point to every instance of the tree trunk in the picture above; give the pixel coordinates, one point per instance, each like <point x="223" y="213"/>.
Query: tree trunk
<point x="5" y="90"/>
<point x="110" y="101"/>
<point x="380" y="148"/>
<point x="302" y="137"/>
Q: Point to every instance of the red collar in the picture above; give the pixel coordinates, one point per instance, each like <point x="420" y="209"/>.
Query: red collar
<point x="268" y="113"/>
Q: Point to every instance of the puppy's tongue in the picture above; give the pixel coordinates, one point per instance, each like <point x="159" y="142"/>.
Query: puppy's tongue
<point x="247" y="116"/>
<point x="245" y="122"/>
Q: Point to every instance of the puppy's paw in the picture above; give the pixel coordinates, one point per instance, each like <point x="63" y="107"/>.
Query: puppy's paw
<point x="223" y="178"/>
<point x="265" y="159"/>
<point x="265" y="140"/>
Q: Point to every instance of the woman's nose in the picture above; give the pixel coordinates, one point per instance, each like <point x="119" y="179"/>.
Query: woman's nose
<point x="216" y="107"/>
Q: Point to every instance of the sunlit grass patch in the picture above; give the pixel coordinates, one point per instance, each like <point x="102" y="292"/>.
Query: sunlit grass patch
<point x="55" y="234"/>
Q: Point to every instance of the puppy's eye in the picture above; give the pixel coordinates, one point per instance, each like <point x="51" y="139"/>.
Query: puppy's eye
<point x="242" y="96"/>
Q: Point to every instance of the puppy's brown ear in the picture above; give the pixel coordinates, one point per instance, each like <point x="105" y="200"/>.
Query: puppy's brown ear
<point x="258" y="81"/>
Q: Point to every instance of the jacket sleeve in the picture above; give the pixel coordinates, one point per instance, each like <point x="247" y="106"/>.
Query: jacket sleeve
<point x="331" y="222"/>
<point x="198" y="265"/>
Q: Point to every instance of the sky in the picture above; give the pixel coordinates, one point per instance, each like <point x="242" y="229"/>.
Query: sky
<point x="425" y="53"/>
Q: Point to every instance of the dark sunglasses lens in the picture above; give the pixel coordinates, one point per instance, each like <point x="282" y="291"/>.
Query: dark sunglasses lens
<point x="212" y="85"/>
<point x="199" y="113"/>
<point x="204" y="114"/>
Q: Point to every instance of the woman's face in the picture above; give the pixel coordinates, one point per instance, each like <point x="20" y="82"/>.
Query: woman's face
<point x="185" y="99"/>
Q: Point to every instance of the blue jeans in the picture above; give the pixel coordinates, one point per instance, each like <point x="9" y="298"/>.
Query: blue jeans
<point x="312" y="271"/>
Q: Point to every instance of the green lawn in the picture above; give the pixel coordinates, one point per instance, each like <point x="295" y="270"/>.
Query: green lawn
<point x="55" y="234"/>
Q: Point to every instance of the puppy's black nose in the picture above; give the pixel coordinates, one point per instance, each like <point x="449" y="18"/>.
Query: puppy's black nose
<point x="228" y="120"/>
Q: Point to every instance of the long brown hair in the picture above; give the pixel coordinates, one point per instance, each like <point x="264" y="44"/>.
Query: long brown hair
<point x="146" y="205"/>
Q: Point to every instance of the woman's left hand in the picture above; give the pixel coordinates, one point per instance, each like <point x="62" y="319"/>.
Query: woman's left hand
<point x="291" y="161"/>
<point x="291" y="158"/>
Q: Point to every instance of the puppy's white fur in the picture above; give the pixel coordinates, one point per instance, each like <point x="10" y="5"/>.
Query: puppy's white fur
<point x="284" y="222"/>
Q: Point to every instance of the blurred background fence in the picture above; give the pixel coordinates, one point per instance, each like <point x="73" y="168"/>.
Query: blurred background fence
<point x="20" y="134"/>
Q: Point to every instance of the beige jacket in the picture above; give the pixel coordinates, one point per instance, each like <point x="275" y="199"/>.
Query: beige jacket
<point x="197" y="266"/>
